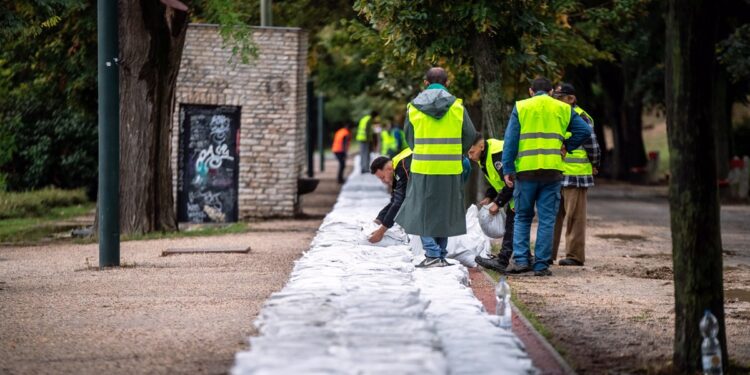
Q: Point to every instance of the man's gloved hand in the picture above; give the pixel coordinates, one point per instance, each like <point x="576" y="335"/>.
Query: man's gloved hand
<point x="378" y="234"/>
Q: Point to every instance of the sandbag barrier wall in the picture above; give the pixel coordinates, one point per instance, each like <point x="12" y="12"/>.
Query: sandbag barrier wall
<point x="353" y="308"/>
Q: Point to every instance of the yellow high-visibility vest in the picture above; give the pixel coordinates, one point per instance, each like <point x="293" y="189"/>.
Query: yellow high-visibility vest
<point x="401" y="156"/>
<point x="387" y="142"/>
<point x="362" y="128"/>
<point x="494" y="146"/>
<point x="576" y="162"/>
<point x="437" y="142"/>
<point x="544" y="121"/>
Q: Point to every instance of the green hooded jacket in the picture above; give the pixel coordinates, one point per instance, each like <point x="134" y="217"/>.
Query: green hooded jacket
<point x="434" y="204"/>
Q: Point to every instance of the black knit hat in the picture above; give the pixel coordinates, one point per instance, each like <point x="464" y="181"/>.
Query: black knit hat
<point x="566" y="89"/>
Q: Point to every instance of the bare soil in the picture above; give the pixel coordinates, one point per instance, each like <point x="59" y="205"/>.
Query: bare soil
<point x="616" y="314"/>
<point x="174" y="314"/>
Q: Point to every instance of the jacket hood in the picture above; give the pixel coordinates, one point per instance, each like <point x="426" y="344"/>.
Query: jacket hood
<point x="434" y="102"/>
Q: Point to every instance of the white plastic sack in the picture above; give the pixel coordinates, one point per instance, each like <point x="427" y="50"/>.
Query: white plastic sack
<point x="393" y="236"/>
<point x="492" y="225"/>
<point x="462" y="248"/>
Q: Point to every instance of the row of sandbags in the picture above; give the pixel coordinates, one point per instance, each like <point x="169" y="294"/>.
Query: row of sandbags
<point x="354" y="308"/>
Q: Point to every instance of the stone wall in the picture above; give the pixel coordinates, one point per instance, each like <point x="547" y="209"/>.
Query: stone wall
<point x="271" y="92"/>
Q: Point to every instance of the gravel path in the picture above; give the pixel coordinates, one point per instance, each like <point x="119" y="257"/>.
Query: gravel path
<point x="175" y="314"/>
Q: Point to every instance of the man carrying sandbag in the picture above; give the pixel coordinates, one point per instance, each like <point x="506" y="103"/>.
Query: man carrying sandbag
<point x="393" y="173"/>
<point x="488" y="154"/>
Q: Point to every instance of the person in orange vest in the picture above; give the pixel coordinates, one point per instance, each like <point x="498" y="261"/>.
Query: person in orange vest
<point x="340" y="147"/>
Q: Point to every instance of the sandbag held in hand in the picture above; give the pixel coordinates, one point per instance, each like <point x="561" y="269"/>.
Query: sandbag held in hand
<point x="492" y="225"/>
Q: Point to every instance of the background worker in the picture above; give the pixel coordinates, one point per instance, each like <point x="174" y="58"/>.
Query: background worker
<point x="398" y="133"/>
<point x="532" y="165"/>
<point x="387" y="142"/>
<point x="488" y="154"/>
<point x="364" y="134"/>
<point x="579" y="167"/>
<point x="439" y="132"/>
<point x="340" y="148"/>
<point x="394" y="173"/>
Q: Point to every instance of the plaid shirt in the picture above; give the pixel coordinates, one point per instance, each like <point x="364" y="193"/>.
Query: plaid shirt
<point x="591" y="146"/>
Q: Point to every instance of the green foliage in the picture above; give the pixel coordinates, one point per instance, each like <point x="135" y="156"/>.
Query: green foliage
<point x="234" y="30"/>
<point x="38" y="202"/>
<point x="734" y="54"/>
<point x="531" y="38"/>
<point x="48" y="95"/>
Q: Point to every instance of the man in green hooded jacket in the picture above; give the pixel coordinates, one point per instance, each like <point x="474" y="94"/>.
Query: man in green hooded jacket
<point x="439" y="131"/>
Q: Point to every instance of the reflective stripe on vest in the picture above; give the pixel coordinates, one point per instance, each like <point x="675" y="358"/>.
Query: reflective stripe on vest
<point x="338" y="140"/>
<point x="576" y="162"/>
<point x="401" y="156"/>
<point x="543" y="123"/>
<point x="362" y="128"/>
<point x="437" y="142"/>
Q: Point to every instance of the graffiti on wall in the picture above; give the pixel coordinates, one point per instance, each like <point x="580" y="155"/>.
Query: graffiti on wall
<point x="208" y="164"/>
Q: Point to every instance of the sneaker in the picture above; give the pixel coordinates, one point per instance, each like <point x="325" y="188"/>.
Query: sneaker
<point x="446" y="263"/>
<point x="569" y="262"/>
<point x="513" y="267"/>
<point x="429" y="262"/>
<point x="544" y="272"/>
<point x="550" y="262"/>
<point x="495" y="263"/>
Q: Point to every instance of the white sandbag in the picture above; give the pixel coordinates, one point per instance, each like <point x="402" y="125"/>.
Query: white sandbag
<point x="492" y="225"/>
<point x="392" y="237"/>
<point x="462" y="248"/>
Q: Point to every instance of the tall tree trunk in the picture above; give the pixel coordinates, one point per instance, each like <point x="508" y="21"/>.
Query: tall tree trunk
<point x="623" y="110"/>
<point x="721" y="118"/>
<point x="489" y="79"/>
<point x="152" y="37"/>
<point x="472" y="185"/>
<point x="693" y="195"/>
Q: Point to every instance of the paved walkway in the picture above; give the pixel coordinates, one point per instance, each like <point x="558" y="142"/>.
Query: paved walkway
<point x="353" y="308"/>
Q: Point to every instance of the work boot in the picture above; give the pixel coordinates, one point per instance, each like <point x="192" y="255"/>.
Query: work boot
<point x="544" y="272"/>
<point x="513" y="267"/>
<point x="494" y="263"/>
<point x="569" y="262"/>
<point x="430" y="262"/>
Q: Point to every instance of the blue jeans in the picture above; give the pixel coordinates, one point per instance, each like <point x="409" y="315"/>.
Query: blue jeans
<point x="435" y="247"/>
<point x="546" y="196"/>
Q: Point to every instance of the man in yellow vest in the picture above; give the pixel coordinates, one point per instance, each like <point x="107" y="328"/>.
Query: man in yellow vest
<point x="364" y="135"/>
<point x="579" y="167"/>
<point x="488" y="154"/>
<point x="533" y="165"/>
<point x="394" y="173"/>
<point x="439" y="131"/>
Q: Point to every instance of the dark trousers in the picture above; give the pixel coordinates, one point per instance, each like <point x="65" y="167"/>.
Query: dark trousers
<point x="341" y="157"/>
<point x="510" y="218"/>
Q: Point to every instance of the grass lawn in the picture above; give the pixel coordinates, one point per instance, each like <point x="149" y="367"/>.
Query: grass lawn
<point x="36" y="228"/>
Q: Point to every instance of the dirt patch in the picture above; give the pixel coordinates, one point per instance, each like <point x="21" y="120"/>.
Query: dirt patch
<point x="616" y="314"/>
<point x="737" y="294"/>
